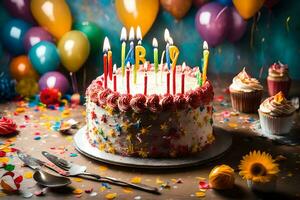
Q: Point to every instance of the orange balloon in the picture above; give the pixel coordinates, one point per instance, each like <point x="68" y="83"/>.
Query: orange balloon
<point x="20" y="68"/>
<point x="135" y="13"/>
<point x="53" y="15"/>
<point x="248" y="8"/>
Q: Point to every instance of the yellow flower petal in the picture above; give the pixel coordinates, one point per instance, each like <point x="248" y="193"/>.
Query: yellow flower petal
<point x="136" y="179"/>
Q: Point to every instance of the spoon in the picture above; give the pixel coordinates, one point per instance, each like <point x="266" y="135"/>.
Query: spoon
<point x="45" y="179"/>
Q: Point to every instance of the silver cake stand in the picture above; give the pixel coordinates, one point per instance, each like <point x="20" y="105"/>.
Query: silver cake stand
<point x="217" y="149"/>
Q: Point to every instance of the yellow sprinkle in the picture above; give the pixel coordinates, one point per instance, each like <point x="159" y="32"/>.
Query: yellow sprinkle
<point x="111" y="195"/>
<point x="69" y="138"/>
<point x="102" y="189"/>
<point x="102" y="168"/>
<point x="20" y="110"/>
<point x="127" y="190"/>
<point x="77" y="179"/>
<point x="4" y="159"/>
<point x="159" y="181"/>
<point x="28" y="175"/>
<point x="232" y="125"/>
<point x="77" y="191"/>
<point x="136" y="179"/>
<point x="200" y="194"/>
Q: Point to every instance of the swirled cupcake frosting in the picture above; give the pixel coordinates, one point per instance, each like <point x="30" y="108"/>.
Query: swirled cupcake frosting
<point x="279" y="70"/>
<point x="277" y="105"/>
<point x="243" y="82"/>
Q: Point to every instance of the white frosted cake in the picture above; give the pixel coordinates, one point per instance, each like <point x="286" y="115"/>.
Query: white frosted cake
<point x="158" y="123"/>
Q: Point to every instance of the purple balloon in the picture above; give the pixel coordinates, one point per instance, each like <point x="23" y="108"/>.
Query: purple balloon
<point x="54" y="80"/>
<point x="212" y="23"/>
<point x="34" y="35"/>
<point x="19" y="9"/>
<point x="238" y="26"/>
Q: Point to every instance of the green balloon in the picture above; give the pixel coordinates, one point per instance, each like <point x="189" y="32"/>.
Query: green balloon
<point x="92" y="32"/>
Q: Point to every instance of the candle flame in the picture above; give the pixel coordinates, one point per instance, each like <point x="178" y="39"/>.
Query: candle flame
<point x="154" y="43"/>
<point x="115" y="68"/>
<point x="183" y="66"/>
<point x="145" y="66"/>
<point x="106" y="45"/>
<point x="131" y="34"/>
<point x="123" y="34"/>
<point x="205" y="45"/>
<point x="138" y="33"/>
<point x="170" y="40"/>
<point x="128" y="65"/>
<point x="166" y="35"/>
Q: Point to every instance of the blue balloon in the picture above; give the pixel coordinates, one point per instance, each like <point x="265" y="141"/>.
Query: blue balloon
<point x="44" y="57"/>
<point x="12" y="36"/>
<point x="225" y="2"/>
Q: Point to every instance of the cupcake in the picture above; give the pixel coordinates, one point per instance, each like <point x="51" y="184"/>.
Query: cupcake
<point x="276" y="115"/>
<point x="278" y="79"/>
<point x="246" y="93"/>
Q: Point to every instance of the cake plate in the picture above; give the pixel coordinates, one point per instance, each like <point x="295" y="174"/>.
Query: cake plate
<point x="217" y="149"/>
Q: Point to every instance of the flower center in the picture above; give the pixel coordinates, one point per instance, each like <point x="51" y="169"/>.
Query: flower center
<point x="257" y="169"/>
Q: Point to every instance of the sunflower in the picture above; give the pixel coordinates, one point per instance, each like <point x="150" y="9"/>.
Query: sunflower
<point x="258" y="167"/>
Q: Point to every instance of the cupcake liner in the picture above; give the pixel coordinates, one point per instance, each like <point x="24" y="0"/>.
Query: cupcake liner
<point x="275" y="125"/>
<point x="275" y="86"/>
<point x="247" y="102"/>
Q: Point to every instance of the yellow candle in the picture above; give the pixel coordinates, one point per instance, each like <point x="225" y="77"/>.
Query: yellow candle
<point x="140" y="53"/>
<point x="205" y="61"/>
<point x="123" y="49"/>
<point x="174" y="53"/>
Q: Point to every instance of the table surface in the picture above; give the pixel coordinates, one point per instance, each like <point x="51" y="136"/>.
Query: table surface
<point x="37" y="134"/>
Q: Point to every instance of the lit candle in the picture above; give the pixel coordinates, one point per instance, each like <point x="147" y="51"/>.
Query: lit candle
<point x="145" y="78"/>
<point x="140" y="53"/>
<point x="166" y="37"/>
<point x="105" y="48"/>
<point x="162" y="65"/>
<point x="123" y="39"/>
<point x="182" y="77"/>
<point x="115" y="77"/>
<point x="155" y="54"/>
<point x="205" y="61"/>
<point x="168" y="82"/>
<point x="173" y="53"/>
<point x="109" y="57"/>
<point x="130" y="54"/>
<point x="128" y="78"/>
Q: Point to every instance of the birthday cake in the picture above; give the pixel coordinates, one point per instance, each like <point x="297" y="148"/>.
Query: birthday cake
<point x="158" y="124"/>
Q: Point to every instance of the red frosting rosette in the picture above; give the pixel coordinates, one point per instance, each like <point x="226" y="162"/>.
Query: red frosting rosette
<point x="7" y="126"/>
<point x="167" y="102"/>
<point x="102" y="96"/>
<point x="124" y="102"/>
<point x="153" y="103"/>
<point x="208" y="92"/>
<point x="180" y="102"/>
<point x="193" y="97"/>
<point x="93" y="90"/>
<point x="50" y="96"/>
<point x="112" y="100"/>
<point x="138" y="103"/>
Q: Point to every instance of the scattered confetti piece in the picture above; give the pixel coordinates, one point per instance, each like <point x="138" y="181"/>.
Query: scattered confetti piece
<point x="102" y="168"/>
<point x="203" y="185"/>
<point x="200" y="194"/>
<point x="93" y="194"/>
<point x="159" y="181"/>
<point x="27" y="194"/>
<point x="77" y="179"/>
<point x="136" y="180"/>
<point x="102" y="189"/>
<point x="111" y="196"/>
<point x="77" y="191"/>
<point x="89" y="190"/>
<point x="28" y="175"/>
<point x="137" y="198"/>
<point x="127" y="190"/>
<point x="73" y="154"/>
<point x="232" y="125"/>
<point x="9" y="167"/>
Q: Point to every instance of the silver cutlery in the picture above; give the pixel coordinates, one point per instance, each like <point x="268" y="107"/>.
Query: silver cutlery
<point x="40" y="176"/>
<point x="73" y="169"/>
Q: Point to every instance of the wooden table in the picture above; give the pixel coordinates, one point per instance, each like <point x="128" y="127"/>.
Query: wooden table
<point x="38" y="123"/>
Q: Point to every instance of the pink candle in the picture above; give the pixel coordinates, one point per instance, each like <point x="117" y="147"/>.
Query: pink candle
<point x="174" y="79"/>
<point x="105" y="69"/>
<point x="168" y="82"/>
<point x="128" y="80"/>
<point x="182" y="83"/>
<point x="145" y="83"/>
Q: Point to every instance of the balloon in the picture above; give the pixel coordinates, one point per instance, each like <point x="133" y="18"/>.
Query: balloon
<point x="53" y="15"/>
<point x="238" y="26"/>
<point x="74" y="49"/>
<point x="137" y="13"/>
<point x="199" y="3"/>
<point x="177" y="8"/>
<point x="20" y="68"/>
<point x="271" y="3"/>
<point x="225" y="2"/>
<point x="13" y="33"/>
<point x="54" y="80"/>
<point x="44" y="57"/>
<point x="212" y="21"/>
<point x="248" y="8"/>
<point x="92" y="32"/>
<point x="19" y="9"/>
<point x="34" y="35"/>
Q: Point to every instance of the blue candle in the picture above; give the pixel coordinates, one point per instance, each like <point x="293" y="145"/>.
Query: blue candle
<point x="130" y="54"/>
<point x="166" y="37"/>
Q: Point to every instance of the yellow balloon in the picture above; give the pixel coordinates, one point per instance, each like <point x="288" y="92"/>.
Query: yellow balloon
<point x="74" y="49"/>
<point x="135" y="13"/>
<point x="53" y="15"/>
<point x="248" y="8"/>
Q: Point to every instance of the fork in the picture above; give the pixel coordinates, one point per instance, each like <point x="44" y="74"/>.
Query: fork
<point x="80" y="170"/>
